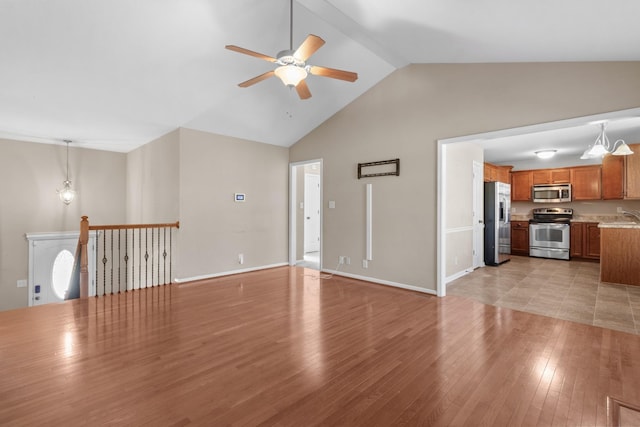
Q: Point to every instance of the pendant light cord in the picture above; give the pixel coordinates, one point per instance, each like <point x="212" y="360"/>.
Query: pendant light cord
<point x="291" y="25"/>
<point x="67" y="141"/>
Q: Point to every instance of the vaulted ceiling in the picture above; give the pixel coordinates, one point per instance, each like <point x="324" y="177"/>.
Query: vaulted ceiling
<point x="117" y="74"/>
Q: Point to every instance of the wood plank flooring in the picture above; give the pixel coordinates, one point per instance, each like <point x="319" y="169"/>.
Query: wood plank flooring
<point x="281" y="347"/>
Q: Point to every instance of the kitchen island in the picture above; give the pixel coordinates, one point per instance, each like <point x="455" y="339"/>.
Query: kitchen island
<point x="620" y="253"/>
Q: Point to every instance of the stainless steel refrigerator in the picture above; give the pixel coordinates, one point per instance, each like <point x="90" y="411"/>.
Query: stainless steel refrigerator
<point x="497" y="223"/>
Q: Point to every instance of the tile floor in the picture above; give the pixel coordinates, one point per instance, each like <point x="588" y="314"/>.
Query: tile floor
<point x="569" y="290"/>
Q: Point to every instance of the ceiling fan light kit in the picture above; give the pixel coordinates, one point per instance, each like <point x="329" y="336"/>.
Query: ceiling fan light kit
<point x="292" y="67"/>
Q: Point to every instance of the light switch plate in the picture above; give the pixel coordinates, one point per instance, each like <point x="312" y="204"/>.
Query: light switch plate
<point x="22" y="283"/>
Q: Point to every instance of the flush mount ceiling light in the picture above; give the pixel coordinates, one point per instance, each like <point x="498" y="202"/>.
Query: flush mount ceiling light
<point x="67" y="194"/>
<point x="602" y="146"/>
<point x="546" y="154"/>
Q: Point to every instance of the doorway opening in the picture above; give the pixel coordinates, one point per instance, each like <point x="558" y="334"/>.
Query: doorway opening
<point x="305" y="224"/>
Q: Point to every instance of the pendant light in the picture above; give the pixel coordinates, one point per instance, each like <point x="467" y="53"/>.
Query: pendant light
<point x="67" y="194"/>
<point x="602" y="146"/>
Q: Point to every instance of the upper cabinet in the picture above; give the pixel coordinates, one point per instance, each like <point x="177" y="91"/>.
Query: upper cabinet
<point x="621" y="175"/>
<point x="586" y="182"/>
<point x="551" y="176"/>
<point x="632" y="173"/>
<point x="495" y="173"/>
<point x="521" y="182"/>
<point x="612" y="177"/>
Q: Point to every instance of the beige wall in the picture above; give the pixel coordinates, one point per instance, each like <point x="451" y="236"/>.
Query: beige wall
<point x="213" y="228"/>
<point x="31" y="173"/>
<point x="153" y="181"/>
<point x="404" y="116"/>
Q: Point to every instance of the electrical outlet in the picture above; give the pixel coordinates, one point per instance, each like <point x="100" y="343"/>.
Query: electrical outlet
<point x="348" y="260"/>
<point x="340" y="260"/>
<point x="365" y="263"/>
<point x="240" y="258"/>
<point x="620" y="210"/>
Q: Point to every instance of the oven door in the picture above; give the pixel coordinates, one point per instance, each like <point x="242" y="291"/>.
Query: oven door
<point x="549" y="236"/>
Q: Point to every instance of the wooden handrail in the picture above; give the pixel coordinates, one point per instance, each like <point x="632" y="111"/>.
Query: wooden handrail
<point x="130" y="226"/>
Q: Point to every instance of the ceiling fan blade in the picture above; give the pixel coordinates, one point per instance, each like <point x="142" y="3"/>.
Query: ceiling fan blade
<point x="333" y="73"/>
<point x="250" y="53"/>
<point x="308" y="47"/>
<point x="303" y="90"/>
<point x="257" y="79"/>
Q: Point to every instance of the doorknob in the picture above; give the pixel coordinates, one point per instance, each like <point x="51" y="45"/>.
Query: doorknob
<point x="308" y="217"/>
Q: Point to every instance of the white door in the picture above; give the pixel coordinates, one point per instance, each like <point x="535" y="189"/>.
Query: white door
<point x="478" y="214"/>
<point x="51" y="257"/>
<point x="311" y="213"/>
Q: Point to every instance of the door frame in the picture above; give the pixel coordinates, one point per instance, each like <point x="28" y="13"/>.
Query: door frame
<point x="293" y="208"/>
<point x="478" y="215"/>
<point x="33" y="238"/>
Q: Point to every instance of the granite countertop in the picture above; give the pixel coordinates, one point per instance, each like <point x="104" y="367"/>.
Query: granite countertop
<point x="619" y="224"/>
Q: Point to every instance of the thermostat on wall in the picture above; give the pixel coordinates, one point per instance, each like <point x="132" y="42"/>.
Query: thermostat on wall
<point x="239" y="197"/>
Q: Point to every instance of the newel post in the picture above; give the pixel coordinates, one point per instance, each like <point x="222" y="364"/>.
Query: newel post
<point x="84" y="258"/>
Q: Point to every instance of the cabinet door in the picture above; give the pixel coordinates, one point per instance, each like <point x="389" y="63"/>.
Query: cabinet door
<point x="520" y="238"/>
<point x="591" y="240"/>
<point x="560" y="176"/>
<point x="586" y="183"/>
<point x="521" y="182"/>
<point x="612" y="177"/>
<point x="632" y="173"/>
<point x="576" y="248"/>
<point x="541" y="176"/>
<point x="489" y="172"/>
<point x="503" y="174"/>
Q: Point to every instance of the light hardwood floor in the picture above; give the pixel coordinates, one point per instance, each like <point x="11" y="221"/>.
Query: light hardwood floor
<point x="280" y="347"/>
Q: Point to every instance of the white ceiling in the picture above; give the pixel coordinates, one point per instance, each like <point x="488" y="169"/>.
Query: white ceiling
<point x="116" y="74"/>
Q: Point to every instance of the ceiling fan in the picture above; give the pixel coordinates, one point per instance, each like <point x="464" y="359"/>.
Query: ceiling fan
<point x="292" y="66"/>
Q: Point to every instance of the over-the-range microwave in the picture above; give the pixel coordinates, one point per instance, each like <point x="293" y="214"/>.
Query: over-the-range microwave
<point x="551" y="193"/>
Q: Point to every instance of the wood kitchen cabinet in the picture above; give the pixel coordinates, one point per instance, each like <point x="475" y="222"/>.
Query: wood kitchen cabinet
<point x="632" y="173"/>
<point x="586" y="182"/>
<point x="521" y="182"/>
<point x="585" y="240"/>
<point x="495" y="173"/>
<point x="613" y="177"/>
<point x="551" y="176"/>
<point x="520" y="238"/>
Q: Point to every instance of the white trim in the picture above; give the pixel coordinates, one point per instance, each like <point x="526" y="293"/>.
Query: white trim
<point x="229" y="273"/>
<point x="459" y="229"/>
<point x="382" y="282"/>
<point x="441" y="283"/>
<point x="293" y="208"/>
<point x="458" y="275"/>
<point x="369" y="223"/>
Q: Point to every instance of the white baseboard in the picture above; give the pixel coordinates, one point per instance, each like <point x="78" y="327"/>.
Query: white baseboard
<point x="458" y="275"/>
<point x="382" y="282"/>
<point x="229" y="273"/>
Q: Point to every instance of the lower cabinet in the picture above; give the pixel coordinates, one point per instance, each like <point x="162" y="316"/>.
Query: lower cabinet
<point x="520" y="237"/>
<point x="585" y="240"/>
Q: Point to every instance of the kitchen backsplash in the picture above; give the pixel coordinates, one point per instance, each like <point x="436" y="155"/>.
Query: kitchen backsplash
<point x="594" y="210"/>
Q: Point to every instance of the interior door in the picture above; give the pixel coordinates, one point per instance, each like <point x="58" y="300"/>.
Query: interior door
<point x="311" y="213"/>
<point x="52" y="266"/>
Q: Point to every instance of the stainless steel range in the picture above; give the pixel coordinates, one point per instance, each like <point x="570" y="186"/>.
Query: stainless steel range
<point x="549" y="233"/>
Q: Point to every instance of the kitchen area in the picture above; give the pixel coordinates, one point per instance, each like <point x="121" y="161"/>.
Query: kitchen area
<point x="573" y="241"/>
<point x="580" y="212"/>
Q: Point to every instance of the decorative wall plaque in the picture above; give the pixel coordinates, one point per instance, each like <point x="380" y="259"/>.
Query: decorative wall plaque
<point x="382" y="168"/>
